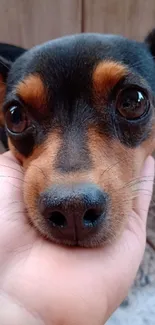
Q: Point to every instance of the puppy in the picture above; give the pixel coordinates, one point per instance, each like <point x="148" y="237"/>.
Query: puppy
<point x="79" y="116"/>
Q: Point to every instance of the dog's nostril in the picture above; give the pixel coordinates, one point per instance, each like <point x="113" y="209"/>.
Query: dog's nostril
<point x="73" y="213"/>
<point x="57" y="219"/>
<point x="91" y="217"/>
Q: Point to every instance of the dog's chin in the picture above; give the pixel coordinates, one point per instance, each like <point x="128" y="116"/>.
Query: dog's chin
<point x="92" y="242"/>
<point x="87" y="243"/>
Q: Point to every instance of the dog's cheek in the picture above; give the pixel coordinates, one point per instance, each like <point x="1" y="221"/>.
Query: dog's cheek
<point x="114" y="168"/>
<point x="141" y="153"/>
<point x="148" y="146"/>
<point x="32" y="187"/>
<point x="36" y="180"/>
<point x="39" y="175"/>
<point x="120" y="206"/>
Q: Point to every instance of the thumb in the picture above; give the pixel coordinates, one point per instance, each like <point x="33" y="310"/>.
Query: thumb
<point x="145" y="190"/>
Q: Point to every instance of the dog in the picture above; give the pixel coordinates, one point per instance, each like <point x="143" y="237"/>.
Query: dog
<point x="78" y="113"/>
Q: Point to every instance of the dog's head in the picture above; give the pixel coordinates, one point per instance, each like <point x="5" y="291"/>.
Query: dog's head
<point x="79" y="114"/>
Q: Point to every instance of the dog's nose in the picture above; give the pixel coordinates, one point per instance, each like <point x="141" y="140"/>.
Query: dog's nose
<point x="73" y="212"/>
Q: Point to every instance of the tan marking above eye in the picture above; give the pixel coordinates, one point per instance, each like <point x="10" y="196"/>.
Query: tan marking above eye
<point x="33" y="92"/>
<point x="106" y="75"/>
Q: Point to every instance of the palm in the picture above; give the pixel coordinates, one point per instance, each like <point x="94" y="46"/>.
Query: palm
<point x="47" y="284"/>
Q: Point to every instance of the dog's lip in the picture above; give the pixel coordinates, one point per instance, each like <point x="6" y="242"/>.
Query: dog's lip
<point x="70" y="243"/>
<point x="71" y="237"/>
<point x="74" y="242"/>
<point x="56" y="236"/>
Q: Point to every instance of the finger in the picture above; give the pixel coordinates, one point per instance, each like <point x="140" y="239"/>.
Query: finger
<point x="11" y="179"/>
<point x="13" y="216"/>
<point x="9" y="156"/>
<point x="142" y="202"/>
<point x="8" y="161"/>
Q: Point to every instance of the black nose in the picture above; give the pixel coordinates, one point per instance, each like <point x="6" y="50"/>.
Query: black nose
<point x="73" y="212"/>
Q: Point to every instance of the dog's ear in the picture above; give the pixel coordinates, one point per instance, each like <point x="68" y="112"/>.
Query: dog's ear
<point x="11" y="52"/>
<point x="5" y="66"/>
<point x="150" y="42"/>
<point x="8" y="54"/>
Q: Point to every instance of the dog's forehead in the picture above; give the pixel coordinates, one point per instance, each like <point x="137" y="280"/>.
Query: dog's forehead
<point x="73" y="58"/>
<point x="57" y="84"/>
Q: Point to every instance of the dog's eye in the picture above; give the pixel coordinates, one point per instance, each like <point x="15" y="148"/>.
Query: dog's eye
<point x="16" y="119"/>
<point x="132" y="103"/>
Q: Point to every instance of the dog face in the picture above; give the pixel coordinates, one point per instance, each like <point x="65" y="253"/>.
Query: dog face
<point x="79" y="115"/>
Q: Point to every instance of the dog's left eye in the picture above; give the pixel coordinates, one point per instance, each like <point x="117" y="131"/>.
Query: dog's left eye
<point x="16" y="119"/>
<point x="132" y="103"/>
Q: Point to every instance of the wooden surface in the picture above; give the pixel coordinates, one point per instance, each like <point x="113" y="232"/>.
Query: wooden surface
<point x="132" y="18"/>
<point x="30" y="22"/>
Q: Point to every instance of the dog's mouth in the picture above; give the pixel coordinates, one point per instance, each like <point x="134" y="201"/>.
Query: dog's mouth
<point x="54" y="227"/>
<point x="95" y="232"/>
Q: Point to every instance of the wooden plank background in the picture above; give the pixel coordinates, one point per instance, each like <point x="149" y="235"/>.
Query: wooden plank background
<point x="132" y="18"/>
<point x="30" y="22"/>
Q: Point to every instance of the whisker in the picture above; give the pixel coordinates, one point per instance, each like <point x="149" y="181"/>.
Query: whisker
<point x="17" y="187"/>
<point x="20" y="171"/>
<point x="13" y="177"/>
<point x="136" y="195"/>
<point x="40" y="170"/>
<point x="142" y="190"/>
<point x="138" y="180"/>
<point x="15" y="202"/>
<point x="142" y="209"/>
<point x="21" y="211"/>
<point x="2" y="83"/>
<point x="4" y="64"/>
<point x="112" y="166"/>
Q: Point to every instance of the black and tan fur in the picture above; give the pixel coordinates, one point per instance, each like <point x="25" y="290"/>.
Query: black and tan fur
<point x="68" y="88"/>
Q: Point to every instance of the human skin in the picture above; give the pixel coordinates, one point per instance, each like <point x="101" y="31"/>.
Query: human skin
<point x="43" y="283"/>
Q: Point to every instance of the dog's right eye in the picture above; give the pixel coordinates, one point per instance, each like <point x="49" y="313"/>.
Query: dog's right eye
<point x="16" y="119"/>
<point x="132" y="103"/>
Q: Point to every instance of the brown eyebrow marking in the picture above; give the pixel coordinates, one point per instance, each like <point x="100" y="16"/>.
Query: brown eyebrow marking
<point x="33" y="91"/>
<point x="106" y="75"/>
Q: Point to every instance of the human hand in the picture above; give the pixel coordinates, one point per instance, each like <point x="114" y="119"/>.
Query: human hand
<point x="43" y="283"/>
